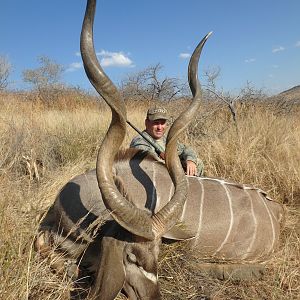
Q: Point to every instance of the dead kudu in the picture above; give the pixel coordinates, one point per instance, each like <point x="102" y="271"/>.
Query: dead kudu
<point x="110" y="221"/>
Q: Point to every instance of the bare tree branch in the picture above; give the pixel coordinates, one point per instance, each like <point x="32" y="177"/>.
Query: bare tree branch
<point x="148" y="84"/>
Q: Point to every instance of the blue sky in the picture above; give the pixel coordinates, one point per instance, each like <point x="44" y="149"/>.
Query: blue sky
<point x="256" y="41"/>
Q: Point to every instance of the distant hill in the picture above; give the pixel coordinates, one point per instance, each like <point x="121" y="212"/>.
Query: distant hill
<point x="292" y="90"/>
<point x="291" y="95"/>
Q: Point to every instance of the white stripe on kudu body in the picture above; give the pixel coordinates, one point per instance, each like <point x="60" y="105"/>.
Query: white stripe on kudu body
<point x="271" y="220"/>
<point x="200" y="210"/>
<point x="231" y="218"/>
<point x="249" y="249"/>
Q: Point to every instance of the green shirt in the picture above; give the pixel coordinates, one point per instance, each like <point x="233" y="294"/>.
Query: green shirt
<point x="185" y="153"/>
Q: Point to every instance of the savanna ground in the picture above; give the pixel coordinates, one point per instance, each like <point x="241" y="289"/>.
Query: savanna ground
<point x="42" y="147"/>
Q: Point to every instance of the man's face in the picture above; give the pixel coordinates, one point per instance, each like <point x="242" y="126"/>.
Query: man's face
<point x="156" y="128"/>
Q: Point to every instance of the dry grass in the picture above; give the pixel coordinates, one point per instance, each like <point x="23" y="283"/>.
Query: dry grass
<point x="41" y="148"/>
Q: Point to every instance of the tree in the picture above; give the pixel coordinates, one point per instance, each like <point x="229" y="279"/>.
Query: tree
<point x="211" y="89"/>
<point x="46" y="78"/>
<point x="148" y="85"/>
<point x="246" y="96"/>
<point x="5" y="70"/>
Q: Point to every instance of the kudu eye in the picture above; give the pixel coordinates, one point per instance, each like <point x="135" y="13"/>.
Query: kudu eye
<point x="131" y="258"/>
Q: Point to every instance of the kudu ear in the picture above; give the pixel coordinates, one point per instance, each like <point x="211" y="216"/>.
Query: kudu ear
<point x="110" y="275"/>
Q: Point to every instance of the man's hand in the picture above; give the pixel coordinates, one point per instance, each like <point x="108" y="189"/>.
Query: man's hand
<point x="191" y="168"/>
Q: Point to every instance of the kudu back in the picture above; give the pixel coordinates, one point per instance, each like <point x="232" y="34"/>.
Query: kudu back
<point x="110" y="221"/>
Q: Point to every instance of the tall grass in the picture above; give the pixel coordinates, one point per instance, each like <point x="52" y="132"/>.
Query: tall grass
<point x="41" y="148"/>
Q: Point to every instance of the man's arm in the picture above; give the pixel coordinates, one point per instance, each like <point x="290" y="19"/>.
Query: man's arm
<point x="186" y="153"/>
<point x="189" y="157"/>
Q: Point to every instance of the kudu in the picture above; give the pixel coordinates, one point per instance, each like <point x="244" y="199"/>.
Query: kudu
<point x="115" y="233"/>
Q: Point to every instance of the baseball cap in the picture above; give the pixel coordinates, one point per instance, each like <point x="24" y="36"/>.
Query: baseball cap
<point x="156" y="113"/>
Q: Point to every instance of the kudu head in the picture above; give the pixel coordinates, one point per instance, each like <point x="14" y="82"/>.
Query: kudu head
<point x="129" y="256"/>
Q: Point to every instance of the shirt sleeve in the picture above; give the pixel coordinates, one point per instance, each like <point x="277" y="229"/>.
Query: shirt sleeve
<point x="139" y="143"/>
<point x="186" y="153"/>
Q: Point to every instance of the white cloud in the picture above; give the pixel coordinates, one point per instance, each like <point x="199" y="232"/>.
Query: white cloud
<point x="77" y="54"/>
<point x="297" y="44"/>
<point x="184" y="55"/>
<point x="250" y="60"/>
<point x="275" y="66"/>
<point x="278" y="49"/>
<point x="74" y="66"/>
<point x="114" y="59"/>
